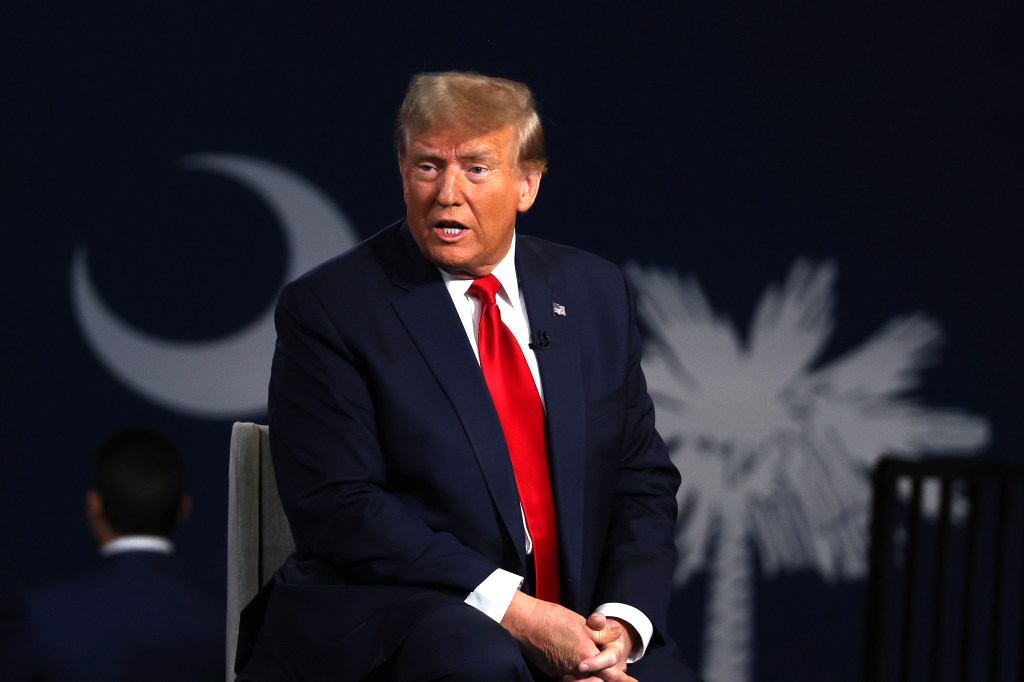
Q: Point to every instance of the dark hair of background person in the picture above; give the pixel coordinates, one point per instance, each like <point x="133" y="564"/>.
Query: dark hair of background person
<point x="140" y="477"/>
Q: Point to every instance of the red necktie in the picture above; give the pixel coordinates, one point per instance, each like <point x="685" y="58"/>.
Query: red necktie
<point x="519" y="408"/>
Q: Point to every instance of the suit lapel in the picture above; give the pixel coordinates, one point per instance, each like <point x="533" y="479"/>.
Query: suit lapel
<point x="561" y="378"/>
<point x="427" y="313"/>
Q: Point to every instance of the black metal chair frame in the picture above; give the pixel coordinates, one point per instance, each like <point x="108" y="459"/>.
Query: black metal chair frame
<point x="962" y="569"/>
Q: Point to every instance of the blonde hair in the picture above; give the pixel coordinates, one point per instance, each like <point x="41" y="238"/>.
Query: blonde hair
<point x="480" y="103"/>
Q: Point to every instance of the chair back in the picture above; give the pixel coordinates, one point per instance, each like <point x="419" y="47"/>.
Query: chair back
<point x="945" y="596"/>
<point x="259" y="539"/>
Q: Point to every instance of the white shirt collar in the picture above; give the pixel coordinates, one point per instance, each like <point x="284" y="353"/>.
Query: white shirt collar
<point x="504" y="271"/>
<point x="137" y="543"/>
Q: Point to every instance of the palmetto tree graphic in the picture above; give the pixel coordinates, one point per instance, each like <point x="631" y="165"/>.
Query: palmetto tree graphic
<point x="775" y="451"/>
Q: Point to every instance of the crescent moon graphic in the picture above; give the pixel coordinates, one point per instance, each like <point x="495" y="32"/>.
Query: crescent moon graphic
<point x="225" y="377"/>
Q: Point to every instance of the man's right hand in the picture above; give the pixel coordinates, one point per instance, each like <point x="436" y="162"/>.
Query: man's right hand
<point x="556" y="639"/>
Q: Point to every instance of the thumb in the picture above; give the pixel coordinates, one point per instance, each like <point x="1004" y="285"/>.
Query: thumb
<point x="605" y="631"/>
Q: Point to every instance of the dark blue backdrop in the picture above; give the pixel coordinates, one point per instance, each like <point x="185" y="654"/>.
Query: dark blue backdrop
<point x="719" y="140"/>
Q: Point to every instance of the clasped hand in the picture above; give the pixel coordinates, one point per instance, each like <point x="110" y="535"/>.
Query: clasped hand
<point x="561" y="643"/>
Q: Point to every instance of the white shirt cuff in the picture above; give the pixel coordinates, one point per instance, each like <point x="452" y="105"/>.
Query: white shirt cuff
<point x="637" y="619"/>
<point x="495" y="593"/>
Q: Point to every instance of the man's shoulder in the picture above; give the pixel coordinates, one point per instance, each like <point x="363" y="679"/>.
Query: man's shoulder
<point x="47" y="604"/>
<point x="556" y="255"/>
<point x="123" y="580"/>
<point x="69" y="584"/>
<point x="102" y="571"/>
<point x="572" y="269"/>
<point x="365" y="259"/>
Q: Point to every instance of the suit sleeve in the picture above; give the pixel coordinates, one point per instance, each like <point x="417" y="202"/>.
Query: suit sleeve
<point x="640" y="552"/>
<point x="331" y="471"/>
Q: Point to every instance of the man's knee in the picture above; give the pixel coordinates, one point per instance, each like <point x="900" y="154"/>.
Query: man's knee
<point x="457" y="642"/>
<point x="491" y="655"/>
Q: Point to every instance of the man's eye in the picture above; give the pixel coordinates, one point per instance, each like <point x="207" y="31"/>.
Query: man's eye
<point x="424" y="168"/>
<point x="477" y="170"/>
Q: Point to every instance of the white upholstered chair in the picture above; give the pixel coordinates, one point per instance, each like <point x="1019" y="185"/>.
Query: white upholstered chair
<point x="259" y="539"/>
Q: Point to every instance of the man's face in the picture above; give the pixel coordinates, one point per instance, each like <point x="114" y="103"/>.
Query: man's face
<point x="462" y="193"/>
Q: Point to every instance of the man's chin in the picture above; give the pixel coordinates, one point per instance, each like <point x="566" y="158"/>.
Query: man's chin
<point x="461" y="271"/>
<point x="447" y="258"/>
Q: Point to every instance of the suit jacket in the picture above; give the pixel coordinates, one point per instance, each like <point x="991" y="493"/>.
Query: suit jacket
<point x="135" y="616"/>
<point x="392" y="466"/>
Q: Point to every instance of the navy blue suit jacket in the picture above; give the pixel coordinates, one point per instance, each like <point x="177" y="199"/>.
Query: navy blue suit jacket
<point x="391" y="463"/>
<point x="135" y="616"/>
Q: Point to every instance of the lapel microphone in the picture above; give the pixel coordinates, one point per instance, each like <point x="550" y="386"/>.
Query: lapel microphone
<point x="542" y="341"/>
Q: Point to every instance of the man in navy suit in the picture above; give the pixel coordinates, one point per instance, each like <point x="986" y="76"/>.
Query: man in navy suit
<point x="414" y="554"/>
<point x="135" y="616"/>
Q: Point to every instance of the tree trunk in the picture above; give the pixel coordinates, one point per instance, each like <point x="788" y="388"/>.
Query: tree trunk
<point x="728" y="637"/>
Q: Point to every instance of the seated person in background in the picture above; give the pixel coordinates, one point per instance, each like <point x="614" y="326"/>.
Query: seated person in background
<point x="135" y="616"/>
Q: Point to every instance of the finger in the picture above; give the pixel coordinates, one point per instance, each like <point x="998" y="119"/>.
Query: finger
<point x="609" y="657"/>
<point x="597" y="621"/>
<point x="581" y="677"/>
<point x="614" y="675"/>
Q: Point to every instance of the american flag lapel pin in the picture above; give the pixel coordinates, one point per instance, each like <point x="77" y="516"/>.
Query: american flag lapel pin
<point x="557" y="309"/>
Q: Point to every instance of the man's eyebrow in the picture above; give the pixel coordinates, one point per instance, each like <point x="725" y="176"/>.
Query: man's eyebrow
<point x="425" y="155"/>
<point x="477" y="154"/>
<point x="423" y="150"/>
<point x="472" y="155"/>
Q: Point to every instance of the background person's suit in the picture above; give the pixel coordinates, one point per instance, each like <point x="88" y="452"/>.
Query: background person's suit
<point x="392" y="466"/>
<point x="134" y="616"/>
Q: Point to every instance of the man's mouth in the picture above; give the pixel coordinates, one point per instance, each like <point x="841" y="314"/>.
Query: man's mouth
<point x="449" y="229"/>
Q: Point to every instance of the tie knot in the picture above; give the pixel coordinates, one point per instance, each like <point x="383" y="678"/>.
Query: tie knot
<point x="484" y="288"/>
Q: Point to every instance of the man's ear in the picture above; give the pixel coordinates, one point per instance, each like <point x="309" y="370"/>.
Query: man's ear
<point x="405" y="183"/>
<point x="93" y="506"/>
<point x="185" y="508"/>
<point x="98" y="524"/>
<point x="529" y="185"/>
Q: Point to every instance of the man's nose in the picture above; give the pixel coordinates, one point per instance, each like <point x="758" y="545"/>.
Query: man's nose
<point x="450" y="192"/>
